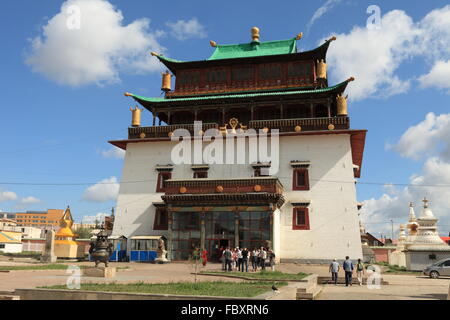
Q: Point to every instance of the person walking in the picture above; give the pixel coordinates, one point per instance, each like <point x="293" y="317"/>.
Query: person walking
<point x="253" y="256"/>
<point x="244" y="262"/>
<point x="360" y="271"/>
<point x="272" y="259"/>
<point x="204" y="257"/>
<point x="239" y="258"/>
<point x="234" y="259"/>
<point x="227" y="255"/>
<point x="262" y="258"/>
<point x="334" y="269"/>
<point x="348" y="268"/>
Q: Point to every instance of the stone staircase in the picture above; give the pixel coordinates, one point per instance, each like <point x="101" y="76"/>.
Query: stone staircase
<point x="309" y="290"/>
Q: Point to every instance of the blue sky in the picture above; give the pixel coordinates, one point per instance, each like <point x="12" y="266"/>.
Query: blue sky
<point x="54" y="130"/>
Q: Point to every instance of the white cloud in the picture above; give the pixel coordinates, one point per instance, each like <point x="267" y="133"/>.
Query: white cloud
<point x="103" y="191"/>
<point x="113" y="152"/>
<point x="428" y="140"/>
<point x="183" y="30"/>
<point x="7" y="196"/>
<point x="29" y="200"/>
<point x="26" y="202"/>
<point x="97" y="51"/>
<point x="438" y="77"/>
<point x="328" y="5"/>
<point x="373" y="56"/>
<point x="429" y="137"/>
<point x="92" y="219"/>
<point x="435" y="181"/>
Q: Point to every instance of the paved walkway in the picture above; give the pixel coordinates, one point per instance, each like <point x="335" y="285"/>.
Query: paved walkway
<point x="400" y="286"/>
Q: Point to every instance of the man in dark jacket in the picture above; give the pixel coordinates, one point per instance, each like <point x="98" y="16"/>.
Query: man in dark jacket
<point x="348" y="268"/>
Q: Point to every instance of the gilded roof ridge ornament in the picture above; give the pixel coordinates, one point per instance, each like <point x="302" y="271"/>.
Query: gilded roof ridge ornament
<point x="351" y="79"/>
<point x="213" y="43"/>
<point x="153" y="53"/>
<point x="127" y="94"/>
<point x="255" y="34"/>
<point x="299" y="36"/>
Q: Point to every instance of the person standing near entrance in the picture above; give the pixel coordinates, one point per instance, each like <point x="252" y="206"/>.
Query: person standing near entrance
<point x="254" y="260"/>
<point x="227" y="256"/>
<point x="262" y="258"/>
<point x="271" y="255"/>
<point x="360" y="271"/>
<point x="348" y="268"/>
<point x="334" y="269"/>
<point x="239" y="258"/>
<point x="245" y="254"/>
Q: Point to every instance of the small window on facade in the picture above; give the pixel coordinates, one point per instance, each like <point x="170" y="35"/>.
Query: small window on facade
<point x="161" y="219"/>
<point x="200" y="174"/>
<point x="162" y="176"/>
<point x="300" y="179"/>
<point x="300" y="219"/>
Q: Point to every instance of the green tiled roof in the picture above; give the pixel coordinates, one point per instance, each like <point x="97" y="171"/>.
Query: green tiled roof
<point x="245" y="50"/>
<point x="238" y="95"/>
<point x="254" y="49"/>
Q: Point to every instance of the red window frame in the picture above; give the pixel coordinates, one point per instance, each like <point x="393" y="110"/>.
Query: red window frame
<point x="158" y="224"/>
<point x="295" y="212"/>
<point x="162" y="176"/>
<point x="304" y="184"/>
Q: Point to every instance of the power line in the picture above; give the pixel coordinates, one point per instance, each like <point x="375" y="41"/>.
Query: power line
<point x="148" y="180"/>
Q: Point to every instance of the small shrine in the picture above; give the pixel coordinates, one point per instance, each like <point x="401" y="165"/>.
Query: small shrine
<point x="65" y="245"/>
<point x="422" y="246"/>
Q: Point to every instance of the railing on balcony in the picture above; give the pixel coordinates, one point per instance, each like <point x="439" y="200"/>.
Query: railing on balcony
<point x="283" y="125"/>
<point x="163" y="131"/>
<point x="306" y="124"/>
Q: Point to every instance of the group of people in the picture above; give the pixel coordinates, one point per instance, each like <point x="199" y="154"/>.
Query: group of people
<point x="349" y="268"/>
<point x="238" y="259"/>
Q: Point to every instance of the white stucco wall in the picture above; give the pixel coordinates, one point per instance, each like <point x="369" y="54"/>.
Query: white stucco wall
<point x="333" y="216"/>
<point x="11" y="247"/>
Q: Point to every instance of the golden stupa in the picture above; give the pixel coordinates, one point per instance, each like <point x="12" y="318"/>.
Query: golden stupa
<point x="65" y="245"/>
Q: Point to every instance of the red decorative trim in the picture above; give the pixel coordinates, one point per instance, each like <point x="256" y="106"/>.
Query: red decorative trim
<point x="300" y="185"/>
<point x="162" y="176"/>
<point x="295" y="212"/>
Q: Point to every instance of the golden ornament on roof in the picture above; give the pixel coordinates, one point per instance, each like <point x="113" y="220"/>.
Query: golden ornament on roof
<point x="213" y="43"/>
<point x="255" y="34"/>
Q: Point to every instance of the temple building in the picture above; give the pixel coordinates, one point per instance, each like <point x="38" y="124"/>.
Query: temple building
<point x="300" y="201"/>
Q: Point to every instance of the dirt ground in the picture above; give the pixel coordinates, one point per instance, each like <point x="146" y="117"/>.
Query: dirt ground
<point x="400" y="286"/>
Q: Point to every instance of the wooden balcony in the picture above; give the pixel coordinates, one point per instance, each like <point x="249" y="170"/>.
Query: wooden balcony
<point x="306" y="124"/>
<point x="283" y="125"/>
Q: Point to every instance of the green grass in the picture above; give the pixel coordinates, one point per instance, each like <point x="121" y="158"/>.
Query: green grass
<point x="395" y="269"/>
<point x="262" y="275"/>
<point x="52" y="266"/>
<point x="206" y="288"/>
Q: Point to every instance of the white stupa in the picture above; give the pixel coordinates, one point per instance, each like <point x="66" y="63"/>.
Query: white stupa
<point x="427" y="236"/>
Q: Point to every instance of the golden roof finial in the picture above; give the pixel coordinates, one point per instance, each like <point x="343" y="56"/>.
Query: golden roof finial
<point x="153" y="53"/>
<point x="299" y="36"/>
<point x="213" y="43"/>
<point x="127" y="94"/>
<point x="333" y="38"/>
<point x="255" y="34"/>
<point x="351" y="79"/>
